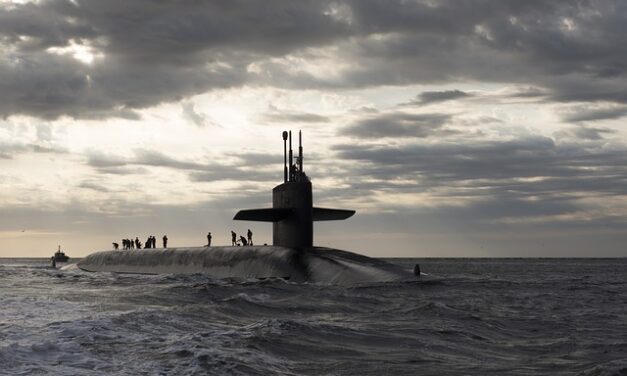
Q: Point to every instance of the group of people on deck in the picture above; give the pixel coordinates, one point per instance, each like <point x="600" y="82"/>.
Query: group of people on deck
<point x="242" y="240"/>
<point x="151" y="242"/>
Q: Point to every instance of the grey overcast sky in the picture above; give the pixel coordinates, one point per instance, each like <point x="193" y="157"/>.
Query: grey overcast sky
<point x="454" y="128"/>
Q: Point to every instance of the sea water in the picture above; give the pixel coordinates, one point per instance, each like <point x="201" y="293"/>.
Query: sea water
<point x="469" y="317"/>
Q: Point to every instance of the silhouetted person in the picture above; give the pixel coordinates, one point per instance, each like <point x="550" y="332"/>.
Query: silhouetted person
<point x="250" y="237"/>
<point x="54" y="262"/>
<point x="138" y="244"/>
<point x="209" y="239"/>
<point x="116" y="246"/>
<point x="153" y="241"/>
<point x="131" y="243"/>
<point x="165" y="241"/>
<point x="243" y="239"/>
<point x="148" y="243"/>
<point x="233" y="238"/>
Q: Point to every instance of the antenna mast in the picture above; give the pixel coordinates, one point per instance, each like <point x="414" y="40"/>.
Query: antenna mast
<point x="300" y="152"/>
<point x="291" y="159"/>
<point x="284" y="157"/>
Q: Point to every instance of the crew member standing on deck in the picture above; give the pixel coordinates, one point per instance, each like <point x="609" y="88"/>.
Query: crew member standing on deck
<point x="250" y="237"/>
<point x="165" y="241"/>
<point x="233" y="238"/>
<point x="209" y="239"/>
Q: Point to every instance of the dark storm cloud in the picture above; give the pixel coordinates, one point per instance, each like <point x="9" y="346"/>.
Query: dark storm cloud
<point x="153" y="52"/>
<point x="399" y="124"/>
<point x="158" y="52"/>
<point x="570" y="49"/>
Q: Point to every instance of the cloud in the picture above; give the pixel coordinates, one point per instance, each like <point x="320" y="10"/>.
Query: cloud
<point x="571" y="50"/>
<point x="399" y="124"/>
<point x="527" y="173"/>
<point x="48" y="149"/>
<point x="9" y="149"/>
<point x="142" y="157"/>
<point x="150" y="59"/>
<point x="93" y="186"/>
<point x="275" y="115"/>
<point x="199" y="119"/>
<point x="528" y="92"/>
<point x="102" y="160"/>
<point x="587" y="133"/>
<point x="220" y="173"/>
<point x="250" y="168"/>
<point x="594" y="114"/>
<point x="427" y="97"/>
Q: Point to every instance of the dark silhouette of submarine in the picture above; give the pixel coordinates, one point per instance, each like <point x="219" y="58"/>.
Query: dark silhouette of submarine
<point x="291" y="256"/>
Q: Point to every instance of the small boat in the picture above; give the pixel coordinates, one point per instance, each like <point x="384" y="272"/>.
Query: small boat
<point x="60" y="256"/>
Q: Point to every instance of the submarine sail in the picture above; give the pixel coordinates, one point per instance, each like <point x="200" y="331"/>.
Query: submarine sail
<point x="292" y="211"/>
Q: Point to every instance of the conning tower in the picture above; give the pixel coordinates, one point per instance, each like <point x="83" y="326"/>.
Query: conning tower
<point x="292" y="212"/>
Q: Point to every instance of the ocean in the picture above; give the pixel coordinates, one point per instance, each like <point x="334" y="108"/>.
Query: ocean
<point x="467" y="317"/>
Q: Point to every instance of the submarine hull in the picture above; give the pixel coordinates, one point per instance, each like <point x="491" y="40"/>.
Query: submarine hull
<point x="315" y="264"/>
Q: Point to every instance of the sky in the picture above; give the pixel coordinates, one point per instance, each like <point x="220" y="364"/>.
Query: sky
<point x="455" y="128"/>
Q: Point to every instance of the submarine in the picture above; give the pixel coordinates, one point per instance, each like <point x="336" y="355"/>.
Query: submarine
<point x="292" y="255"/>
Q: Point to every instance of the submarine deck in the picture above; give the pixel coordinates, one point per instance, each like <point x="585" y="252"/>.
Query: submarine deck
<point x="315" y="264"/>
